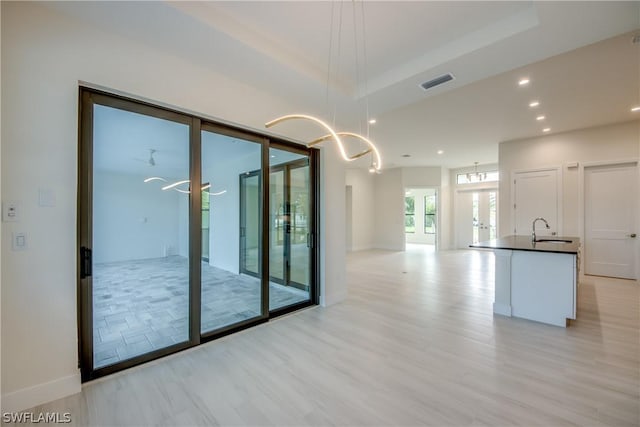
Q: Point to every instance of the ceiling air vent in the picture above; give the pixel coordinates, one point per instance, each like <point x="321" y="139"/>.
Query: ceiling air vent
<point x="437" y="81"/>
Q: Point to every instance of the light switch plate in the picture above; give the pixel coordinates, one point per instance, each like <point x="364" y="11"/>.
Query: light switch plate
<point x="10" y="212"/>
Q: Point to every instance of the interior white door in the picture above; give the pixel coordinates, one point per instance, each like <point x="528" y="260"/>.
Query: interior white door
<point x="536" y="194"/>
<point x="611" y="199"/>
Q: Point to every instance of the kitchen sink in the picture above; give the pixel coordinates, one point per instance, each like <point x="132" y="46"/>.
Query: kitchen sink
<point x="553" y="241"/>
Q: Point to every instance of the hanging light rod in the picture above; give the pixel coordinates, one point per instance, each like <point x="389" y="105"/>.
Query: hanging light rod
<point x="373" y="148"/>
<point x="332" y="135"/>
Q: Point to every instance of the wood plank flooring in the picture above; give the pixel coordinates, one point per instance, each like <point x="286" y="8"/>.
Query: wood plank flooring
<point x="415" y="343"/>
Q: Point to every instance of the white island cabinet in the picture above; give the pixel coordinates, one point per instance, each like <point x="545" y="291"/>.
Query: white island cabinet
<point x="536" y="280"/>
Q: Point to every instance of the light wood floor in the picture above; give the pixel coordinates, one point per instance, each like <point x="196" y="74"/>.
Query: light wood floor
<point x="415" y="343"/>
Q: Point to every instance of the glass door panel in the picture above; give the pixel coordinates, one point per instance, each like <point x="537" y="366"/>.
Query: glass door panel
<point x="250" y="238"/>
<point x="205" y="226"/>
<point x="299" y="260"/>
<point x="231" y="288"/>
<point x="290" y="222"/>
<point x="140" y="256"/>
<point x="277" y="224"/>
<point x="485" y="223"/>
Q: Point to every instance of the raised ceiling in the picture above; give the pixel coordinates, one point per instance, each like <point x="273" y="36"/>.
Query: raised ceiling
<point x="583" y="67"/>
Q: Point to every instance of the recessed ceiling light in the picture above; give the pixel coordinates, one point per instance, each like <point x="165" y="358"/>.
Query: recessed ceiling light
<point x="440" y="151"/>
<point x="372" y="121"/>
<point x="524" y="81"/>
<point x="406" y="155"/>
<point x="635" y="109"/>
<point x="534" y="104"/>
<point x="546" y="129"/>
<point x="540" y="118"/>
<point x="273" y="156"/>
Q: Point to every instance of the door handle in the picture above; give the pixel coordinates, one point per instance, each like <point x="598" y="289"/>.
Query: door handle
<point x="632" y="235"/>
<point x="86" y="262"/>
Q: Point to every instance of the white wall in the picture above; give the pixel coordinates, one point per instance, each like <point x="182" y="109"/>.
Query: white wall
<point x="44" y="56"/>
<point x="389" y="209"/>
<point x="422" y="177"/>
<point x="2" y="235"/>
<point x="135" y="220"/>
<point x="333" y="249"/>
<point x="362" y="208"/>
<point x="445" y="213"/>
<point x="603" y="143"/>
<point x="389" y="204"/>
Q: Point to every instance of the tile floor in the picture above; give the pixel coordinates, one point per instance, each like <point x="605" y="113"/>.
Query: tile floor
<point x="142" y="305"/>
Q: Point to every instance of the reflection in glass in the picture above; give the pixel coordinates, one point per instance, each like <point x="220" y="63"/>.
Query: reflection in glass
<point x="231" y="288"/>
<point x="250" y="238"/>
<point x="140" y="246"/>
<point x="289" y="222"/>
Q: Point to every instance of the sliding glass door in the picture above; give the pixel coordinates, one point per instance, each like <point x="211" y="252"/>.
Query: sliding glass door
<point x="164" y="263"/>
<point x="228" y="295"/>
<point x="290" y="221"/>
<point x="134" y="240"/>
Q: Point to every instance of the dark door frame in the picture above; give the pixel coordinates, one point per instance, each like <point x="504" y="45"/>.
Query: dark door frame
<point x="88" y="97"/>
<point x="286" y="168"/>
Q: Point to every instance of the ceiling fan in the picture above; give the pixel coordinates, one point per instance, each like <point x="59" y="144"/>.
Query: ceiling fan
<point x="150" y="161"/>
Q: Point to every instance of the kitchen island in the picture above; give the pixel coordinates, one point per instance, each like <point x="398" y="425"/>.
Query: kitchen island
<point x="535" y="280"/>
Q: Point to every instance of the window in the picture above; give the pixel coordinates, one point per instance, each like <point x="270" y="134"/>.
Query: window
<point x="477" y="177"/>
<point x="409" y="215"/>
<point x="430" y="214"/>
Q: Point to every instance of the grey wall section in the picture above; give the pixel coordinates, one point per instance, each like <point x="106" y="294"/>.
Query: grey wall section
<point x="389" y="210"/>
<point x="362" y="208"/>
<point x="598" y="144"/>
<point x="134" y="220"/>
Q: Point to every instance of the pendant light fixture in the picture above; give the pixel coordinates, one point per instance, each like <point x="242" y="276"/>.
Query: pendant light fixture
<point x="376" y="159"/>
<point x="476" y="176"/>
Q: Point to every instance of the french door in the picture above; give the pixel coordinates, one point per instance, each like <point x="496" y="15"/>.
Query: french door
<point x="476" y="216"/>
<point x="165" y="264"/>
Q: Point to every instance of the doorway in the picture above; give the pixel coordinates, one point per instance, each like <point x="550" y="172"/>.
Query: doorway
<point x="610" y="213"/>
<point x="421" y="216"/>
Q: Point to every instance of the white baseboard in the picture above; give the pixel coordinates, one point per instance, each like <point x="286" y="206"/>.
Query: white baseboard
<point x="29" y="397"/>
<point x="334" y="298"/>
<point x="361" y="248"/>
<point x="502" y="309"/>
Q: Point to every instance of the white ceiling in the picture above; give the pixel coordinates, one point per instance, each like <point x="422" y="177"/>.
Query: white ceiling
<point x="583" y="67"/>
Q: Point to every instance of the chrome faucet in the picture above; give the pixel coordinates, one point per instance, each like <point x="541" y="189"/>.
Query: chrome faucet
<point x="533" y="227"/>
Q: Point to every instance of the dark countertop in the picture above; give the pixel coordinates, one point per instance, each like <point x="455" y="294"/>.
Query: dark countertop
<point x="524" y="243"/>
